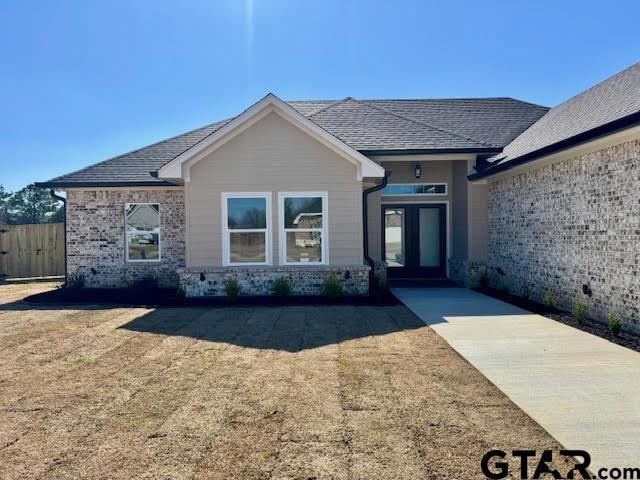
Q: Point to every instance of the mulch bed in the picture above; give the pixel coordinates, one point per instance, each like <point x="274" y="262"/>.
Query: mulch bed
<point x="168" y="298"/>
<point x="588" y="325"/>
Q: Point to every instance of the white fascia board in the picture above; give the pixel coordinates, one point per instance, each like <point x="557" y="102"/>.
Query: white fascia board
<point x="175" y="168"/>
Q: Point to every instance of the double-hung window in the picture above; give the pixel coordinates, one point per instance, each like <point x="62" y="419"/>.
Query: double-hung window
<point x="246" y="219"/>
<point x="142" y="232"/>
<point x="303" y="228"/>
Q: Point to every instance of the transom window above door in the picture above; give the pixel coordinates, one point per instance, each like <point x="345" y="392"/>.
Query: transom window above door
<point x="401" y="189"/>
<point x="303" y="228"/>
<point x="246" y="220"/>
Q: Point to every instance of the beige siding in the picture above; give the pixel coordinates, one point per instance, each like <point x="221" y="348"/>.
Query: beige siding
<point x="460" y="212"/>
<point x="273" y="155"/>
<point x="478" y="221"/>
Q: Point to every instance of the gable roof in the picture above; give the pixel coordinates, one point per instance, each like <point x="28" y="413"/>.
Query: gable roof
<point x="368" y="126"/>
<point x="270" y="103"/>
<point x="608" y="106"/>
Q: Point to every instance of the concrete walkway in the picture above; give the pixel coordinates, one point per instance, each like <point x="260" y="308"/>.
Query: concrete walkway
<point x="584" y="390"/>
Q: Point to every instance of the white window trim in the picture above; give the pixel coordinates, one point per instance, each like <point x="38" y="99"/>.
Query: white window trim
<point x="226" y="251"/>
<point x="446" y="190"/>
<point x="282" y="250"/>
<point x="126" y="235"/>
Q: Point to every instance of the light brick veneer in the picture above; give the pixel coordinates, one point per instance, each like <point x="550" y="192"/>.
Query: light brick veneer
<point x="95" y="237"/>
<point x="562" y="225"/>
<point x="257" y="280"/>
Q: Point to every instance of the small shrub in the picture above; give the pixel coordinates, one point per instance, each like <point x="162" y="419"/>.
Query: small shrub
<point x="281" y="287"/>
<point x="232" y="289"/>
<point x="549" y="299"/>
<point x="181" y="293"/>
<point x="484" y="280"/>
<point x="383" y="285"/>
<point x="332" y="287"/>
<point x="615" y="322"/>
<point x="579" y="312"/>
<point x="75" y="282"/>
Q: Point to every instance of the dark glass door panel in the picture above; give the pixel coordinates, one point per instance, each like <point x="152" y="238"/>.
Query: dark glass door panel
<point x="414" y="240"/>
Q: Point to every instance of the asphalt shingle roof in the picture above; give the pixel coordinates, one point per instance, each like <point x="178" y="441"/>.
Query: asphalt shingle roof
<point x="611" y="100"/>
<point x="369" y="126"/>
<point x="494" y="121"/>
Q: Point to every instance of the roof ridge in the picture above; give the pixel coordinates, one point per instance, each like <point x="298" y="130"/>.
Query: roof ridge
<point x="440" y="129"/>
<point x="333" y="104"/>
<point x="439" y="99"/>
<point x="529" y="103"/>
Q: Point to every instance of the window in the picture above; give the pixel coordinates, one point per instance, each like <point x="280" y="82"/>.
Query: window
<point x="303" y="228"/>
<point x="394" y="253"/>
<point x="245" y="226"/>
<point x="142" y="230"/>
<point x="415" y="189"/>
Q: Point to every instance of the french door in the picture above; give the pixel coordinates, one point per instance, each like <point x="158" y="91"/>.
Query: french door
<point x="414" y="240"/>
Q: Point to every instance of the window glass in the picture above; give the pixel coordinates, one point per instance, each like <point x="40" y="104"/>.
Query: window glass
<point x="303" y="229"/>
<point x="415" y="189"/>
<point x="246" y="213"/>
<point x="304" y="247"/>
<point x="142" y="227"/>
<point x="246" y="232"/>
<point x="394" y="237"/>
<point x="247" y="247"/>
<point x="303" y="212"/>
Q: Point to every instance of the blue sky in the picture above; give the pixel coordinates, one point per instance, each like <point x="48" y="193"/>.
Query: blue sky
<point x="81" y="81"/>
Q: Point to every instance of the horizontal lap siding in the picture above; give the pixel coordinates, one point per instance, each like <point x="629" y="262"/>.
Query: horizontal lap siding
<point x="274" y="156"/>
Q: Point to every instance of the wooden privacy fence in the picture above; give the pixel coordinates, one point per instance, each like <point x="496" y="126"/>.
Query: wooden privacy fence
<point x="32" y="250"/>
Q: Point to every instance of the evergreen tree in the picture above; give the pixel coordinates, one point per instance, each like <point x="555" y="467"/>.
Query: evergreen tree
<point x="31" y="205"/>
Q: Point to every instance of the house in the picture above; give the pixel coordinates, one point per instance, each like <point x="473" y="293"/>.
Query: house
<point x="534" y="199"/>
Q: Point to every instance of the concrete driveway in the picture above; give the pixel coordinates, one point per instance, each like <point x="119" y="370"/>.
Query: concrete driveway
<point x="582" y="389"/>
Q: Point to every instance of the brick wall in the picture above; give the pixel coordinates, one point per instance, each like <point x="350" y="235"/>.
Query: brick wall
<point x="563" y="225"/>
<point x="96" y="240"/>
<point x="257" y="280"/>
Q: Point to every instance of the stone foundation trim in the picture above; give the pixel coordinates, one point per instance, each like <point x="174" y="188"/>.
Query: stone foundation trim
<point x="258" y="280"/>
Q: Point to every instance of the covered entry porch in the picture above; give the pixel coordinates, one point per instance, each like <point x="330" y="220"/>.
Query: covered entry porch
<point x="429" y="222"/>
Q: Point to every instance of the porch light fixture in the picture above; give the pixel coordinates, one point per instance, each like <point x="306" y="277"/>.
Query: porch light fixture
<point x="418" y="170"/>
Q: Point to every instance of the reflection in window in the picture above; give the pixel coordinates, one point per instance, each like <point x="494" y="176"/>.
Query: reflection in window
<point x="415" y="189"/>
<point x="142" y="230"/>
<point x="247" y="247"/>
<point x="246" y="213"/>
<point x="303" y="229"/>
<point x="246" y="230"/>
<point x="394" y="254"/>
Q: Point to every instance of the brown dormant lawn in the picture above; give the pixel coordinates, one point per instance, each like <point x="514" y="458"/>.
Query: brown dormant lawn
<point x="250" y="393"/>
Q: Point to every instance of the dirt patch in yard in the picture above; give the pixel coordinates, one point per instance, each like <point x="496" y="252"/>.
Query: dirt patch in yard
<point x="297" y="392"/>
